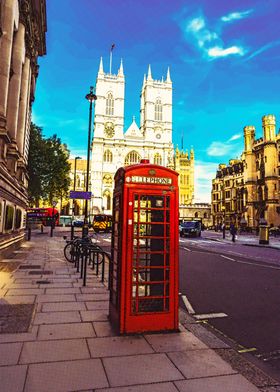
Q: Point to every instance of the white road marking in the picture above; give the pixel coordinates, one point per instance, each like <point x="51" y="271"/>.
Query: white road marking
<point x="209" y="316"/>
<point x="187" y="249"/>
<point x="229" y="258"/>
<point x="188" y="305"/>
<point x="107" y="239"/>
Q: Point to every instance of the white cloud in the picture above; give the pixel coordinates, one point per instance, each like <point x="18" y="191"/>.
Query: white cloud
<point x="235" y="137"/>
<point x="204" y="173"/>
<point x="208" y="41"/>
<point x="196" y="24"/>
<point x="219" y="149"/>
<point x="217" y="51"/>
<point x="236" y="15"/>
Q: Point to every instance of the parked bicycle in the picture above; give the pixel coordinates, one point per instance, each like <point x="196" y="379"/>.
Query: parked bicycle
<point x="74" y="248"/>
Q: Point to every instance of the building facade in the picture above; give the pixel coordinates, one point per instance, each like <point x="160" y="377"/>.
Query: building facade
<point x="248" y="191"/>
<point x="22" y="40"/>
<point x="184" y="165"/>
<point x="114" y="147"/>
<point x="199" y="211"/>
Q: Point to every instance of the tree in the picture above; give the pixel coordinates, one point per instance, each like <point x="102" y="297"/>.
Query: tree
<point x="48" y="167"/>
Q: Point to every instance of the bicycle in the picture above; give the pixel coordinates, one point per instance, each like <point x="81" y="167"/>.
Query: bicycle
<point x="74" y="248"/>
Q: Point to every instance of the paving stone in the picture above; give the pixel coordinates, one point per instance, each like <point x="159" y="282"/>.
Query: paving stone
<point x="92" y="297"/>
<point x="97" y="305"/>
<point x="175" y="342"/>
<point x="159" y="387"/>
<point x="56" y="298"/>
<point x="57" y="285"/>
<point x="9" y="353"/>
<point x="25" y="291"/>
<point x="64" y="290"/>
<point x="140" y="369"/>
<point x="12" y="378"/>
<point x="62" y="306"/>
<point x="66" y="376"/>
<point x="200" y="363"/>
<point x="57" y="318"/>
<point x="232" y="383"/>
<point x="118" y="346"/>
<point x="91" y="290"/>
<point x="50" y="351"/>
<point x="104" y="328"/>
<point x="66" y="331"/>
<point x="94" y="315"/>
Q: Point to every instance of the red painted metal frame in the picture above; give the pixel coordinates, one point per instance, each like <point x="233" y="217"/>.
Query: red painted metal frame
<point x="124" y="291"/>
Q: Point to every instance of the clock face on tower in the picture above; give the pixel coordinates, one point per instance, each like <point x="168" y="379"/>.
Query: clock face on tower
<point x="109" y="129"/>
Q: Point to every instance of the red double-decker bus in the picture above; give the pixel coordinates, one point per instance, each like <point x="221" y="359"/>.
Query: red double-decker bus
<point x="44" y="215"/>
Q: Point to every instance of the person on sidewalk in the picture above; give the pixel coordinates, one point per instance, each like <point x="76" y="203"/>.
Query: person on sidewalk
<point x="224" y="230"/>
<point x="232" y="230"/>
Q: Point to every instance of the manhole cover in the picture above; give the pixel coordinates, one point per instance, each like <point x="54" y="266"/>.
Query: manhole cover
<point x="29" y="266"/>
<point x="9" y="266"/>
<point x="41" y="272"/>
<point x="15" y="318"/>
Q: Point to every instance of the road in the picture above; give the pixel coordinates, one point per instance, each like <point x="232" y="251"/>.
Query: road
<point x="239" y="286"/>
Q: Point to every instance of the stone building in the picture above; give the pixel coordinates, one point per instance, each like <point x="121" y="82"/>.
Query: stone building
<point x="248" y="191"/>
<point x="22" y="40"/>
<point x="114" y="147"/>
<point x="184" y="165"/>
<point x="200" y="211"/>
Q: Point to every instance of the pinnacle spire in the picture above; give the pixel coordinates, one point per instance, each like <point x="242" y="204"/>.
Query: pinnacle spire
<point x="149" y="73"/>
<point x="120" y="73"/>
<point x="101" y="71"/>
<point x="168" y="76"/>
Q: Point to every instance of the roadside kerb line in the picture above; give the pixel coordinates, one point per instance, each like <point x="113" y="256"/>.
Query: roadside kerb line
<point x="246" y="350"/>
<point x="187" y="249"/>
<point x="229" y="258"/>
<point x="188" y="304"/>
<point x="209" y="316"/>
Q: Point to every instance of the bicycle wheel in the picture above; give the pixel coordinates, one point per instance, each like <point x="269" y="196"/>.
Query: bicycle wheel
<point x="70" y="252"/>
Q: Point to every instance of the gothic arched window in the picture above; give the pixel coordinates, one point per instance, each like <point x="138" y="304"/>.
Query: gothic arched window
<point x="157" y="159"/>
<point x="132" y="158"/>
<point x="110" y="104"/>
<point x="108" y="156"/>
<point x="158" y="110"/>
<point x="107" y="198"/>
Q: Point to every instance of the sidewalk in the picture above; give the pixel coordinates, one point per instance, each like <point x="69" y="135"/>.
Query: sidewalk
<point x="243" y="238"/>
<point x="70" y="345"/>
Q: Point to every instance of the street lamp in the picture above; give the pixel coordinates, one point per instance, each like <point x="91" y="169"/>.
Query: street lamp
<point x="91" y="97"/>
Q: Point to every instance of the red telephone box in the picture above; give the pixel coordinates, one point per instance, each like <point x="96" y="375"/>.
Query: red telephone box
<point x="143" y="274"/>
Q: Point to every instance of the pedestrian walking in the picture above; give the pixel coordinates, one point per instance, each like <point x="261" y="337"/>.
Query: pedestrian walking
<point x="224" y="230"/>
<point x="232" y="230"/>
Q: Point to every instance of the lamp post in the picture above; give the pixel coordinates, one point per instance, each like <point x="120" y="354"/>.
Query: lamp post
<point x="74" y="201"/>
<point x="91" y="97"/>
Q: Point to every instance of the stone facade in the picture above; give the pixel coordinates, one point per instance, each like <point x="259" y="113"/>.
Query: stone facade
<point x="114" y="147"/>
<point x="184" y="165"/>
<point x="247" y="191"/>
<point x="201" y="211"/>
<point x="22" y="40"/>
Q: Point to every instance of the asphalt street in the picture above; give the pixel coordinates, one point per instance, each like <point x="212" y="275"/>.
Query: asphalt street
<point x="235" y="290"/>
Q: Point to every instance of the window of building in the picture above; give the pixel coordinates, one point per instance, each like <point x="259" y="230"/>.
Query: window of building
<point x="227" y="194"/>
<point x="9" y="217"/>
<point x="132" y="158"/>
<point x="196" y="215"/>
<point x="205" y="215"/>
<point x="108" y="156"/>
<point x="158" y="110"/>
<point x="157" y="159"/>
<point x="110" y="104"/>
<point x="108" y="199"/>
<point x="18" y="218"/>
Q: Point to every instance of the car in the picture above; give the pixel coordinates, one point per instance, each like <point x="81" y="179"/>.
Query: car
<point x="274" y="231"/>
<point x="190" y="229"/>
<point x="78" y="223"/>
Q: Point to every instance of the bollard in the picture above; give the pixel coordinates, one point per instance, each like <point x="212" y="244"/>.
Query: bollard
<point x="28" y="234"/>
<point x="72" y="232"/>
<point x="42" y="229"/>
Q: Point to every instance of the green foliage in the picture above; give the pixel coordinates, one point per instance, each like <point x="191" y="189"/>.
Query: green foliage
<point x="48" y="167"/>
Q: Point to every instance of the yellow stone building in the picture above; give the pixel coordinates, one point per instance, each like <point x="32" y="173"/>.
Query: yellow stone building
<point x="247" y="191"/>
<point x="184" y="165"/>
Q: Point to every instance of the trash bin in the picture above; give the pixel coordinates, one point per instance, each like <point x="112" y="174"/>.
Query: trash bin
<point x="264" y="234"/>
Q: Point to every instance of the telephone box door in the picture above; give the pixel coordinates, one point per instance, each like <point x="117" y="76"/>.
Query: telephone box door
<point x="151" y="263"/>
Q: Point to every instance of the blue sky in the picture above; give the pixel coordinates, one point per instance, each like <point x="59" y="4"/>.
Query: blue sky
<point x="224" y="59"/>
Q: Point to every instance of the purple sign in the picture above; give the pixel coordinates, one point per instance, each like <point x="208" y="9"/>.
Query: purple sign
<point x="80" y="195"/>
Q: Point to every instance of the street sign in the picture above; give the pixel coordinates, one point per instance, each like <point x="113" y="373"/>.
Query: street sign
<point x="80" y="195"/>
